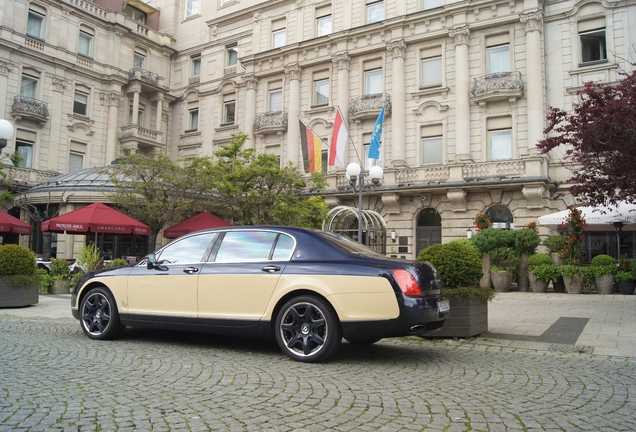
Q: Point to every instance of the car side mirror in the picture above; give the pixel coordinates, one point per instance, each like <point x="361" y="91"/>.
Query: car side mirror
<point x="152" y="261"/>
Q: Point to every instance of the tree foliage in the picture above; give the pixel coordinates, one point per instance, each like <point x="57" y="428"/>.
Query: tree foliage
<point x="600" y="139"/>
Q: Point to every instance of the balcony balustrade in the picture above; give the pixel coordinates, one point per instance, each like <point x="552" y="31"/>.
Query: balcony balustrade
<point x="270" y="122"/>
<point x="369" y="105"/>
<point x="497" y="86"/>
<point x="30" y="109"/>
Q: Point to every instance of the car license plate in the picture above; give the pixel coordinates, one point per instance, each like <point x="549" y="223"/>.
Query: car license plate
<point x="443" y="306"/>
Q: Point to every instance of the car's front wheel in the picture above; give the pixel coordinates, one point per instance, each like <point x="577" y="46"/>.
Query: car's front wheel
<point x="99" y="316"/>
<point x="308" y="329"/>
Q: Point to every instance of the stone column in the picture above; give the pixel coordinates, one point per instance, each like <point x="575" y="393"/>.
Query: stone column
<point x="535" y="89"/>
<point x="59" y="87"/>
<point x="292" y="72"/>
<point x="341" y="62"/>
<point x="250" y="109"/>
<point x="398" y="103"/>
<point x="5" y="68"/>
<point x="462" y="93"/>
<point x="112" y="99"/>
<point x="159" y="98"/>
<point x="136" y="90"/>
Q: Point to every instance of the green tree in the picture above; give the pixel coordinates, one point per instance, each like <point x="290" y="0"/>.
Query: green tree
<point x="251" y="188"/>
<point x="156" y="191"/>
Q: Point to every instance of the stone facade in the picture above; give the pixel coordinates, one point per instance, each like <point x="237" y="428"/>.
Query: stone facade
<point x="468" y="81"/>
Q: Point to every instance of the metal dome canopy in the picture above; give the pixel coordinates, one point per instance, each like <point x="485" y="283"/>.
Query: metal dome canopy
<point x="95" y="178"/>
<point x="344" y="220"/>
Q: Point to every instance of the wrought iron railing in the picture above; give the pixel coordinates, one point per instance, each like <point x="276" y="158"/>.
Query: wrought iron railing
<point x="271" y="120"/>
<point x="502" y="81"/>
<point x="370" y="102"/>
<point x="28" y="105"/>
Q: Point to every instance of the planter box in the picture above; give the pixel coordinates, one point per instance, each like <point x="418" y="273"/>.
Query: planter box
<point x="17" y="296"/>
<point x="468" y="317"/>
<point x="60" y="287"/>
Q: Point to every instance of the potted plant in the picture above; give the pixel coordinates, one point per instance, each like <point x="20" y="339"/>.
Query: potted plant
<point x="526" y="242"/>
<point x="458" y="264"/>
<point x="625" y="276"/>
<point x="576" y="278"/>
<point x="541" y="271"/>
<point x="19" y="280"/>
<point x="89" y="258"/>
<point x="505" y="264"/>
<point x="487" y="240"/>
<point x="603" y="268"/>
<point x="61" y="276"/>
<point x="482" y="223"/>
<point x="555" y="244"/>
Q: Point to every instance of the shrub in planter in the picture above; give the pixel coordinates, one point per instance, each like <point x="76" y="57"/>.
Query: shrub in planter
<point x="554" y="243"/>
<point x="526" y="242"/>
<point x="538" y="259"/>
<point x="504" y="258"/>
<point x="457" y="264"/>
<point x="603" y="268"/>
<point x="19" y="280"/>
<point x="16" y="260"/>
<point x="542" y="271"/>
<point x="576" y="278"/>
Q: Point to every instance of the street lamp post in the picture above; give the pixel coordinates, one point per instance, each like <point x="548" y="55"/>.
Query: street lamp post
<point x="6" y="132"/>
<point x="355" y="174"/>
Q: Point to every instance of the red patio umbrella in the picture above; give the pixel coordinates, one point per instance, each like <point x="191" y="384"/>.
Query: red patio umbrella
<point x="95" y="218"/>
<point x="12" y="224"/>
<point x="195" y="223"/>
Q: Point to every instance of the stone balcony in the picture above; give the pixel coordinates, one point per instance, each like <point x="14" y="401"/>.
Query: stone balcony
<point x="27" y="177"/>
<point x="29" y="109"/>
<point x="150" y="81"/>
<point x="369" y="106"/>
<point x="497" y="86"/>
<point x="270" y="122"/>
<point x="135" y="138"/>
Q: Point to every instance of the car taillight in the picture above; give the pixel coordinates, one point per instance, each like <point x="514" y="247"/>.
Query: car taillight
<point x="407" y="283"/>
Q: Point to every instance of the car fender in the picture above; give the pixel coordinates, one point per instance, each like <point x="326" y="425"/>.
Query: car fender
<point x="115" y="281"/>
<point x="354" y="298"/>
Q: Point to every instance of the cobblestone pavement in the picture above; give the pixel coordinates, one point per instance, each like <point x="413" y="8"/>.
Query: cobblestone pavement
<point x="52" y="377"/>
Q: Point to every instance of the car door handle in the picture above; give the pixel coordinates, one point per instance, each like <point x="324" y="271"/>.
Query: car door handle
<point x="271" y="269"/>
<point x="190" y="270"/>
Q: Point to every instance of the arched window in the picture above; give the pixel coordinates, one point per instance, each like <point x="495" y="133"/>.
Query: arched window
<point x="501" y="217"/>
<point x="429" y="229"/>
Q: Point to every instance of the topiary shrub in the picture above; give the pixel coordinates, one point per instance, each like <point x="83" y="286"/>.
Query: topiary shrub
<point x="602" y="260"/>
<point x="555" y="243"/>
<point x="526" y="240"/>
<point x="457" y="264"/>
<point x="16" y="261"/>
<point x="490" y="239"/>
<point x="537" y="260"/>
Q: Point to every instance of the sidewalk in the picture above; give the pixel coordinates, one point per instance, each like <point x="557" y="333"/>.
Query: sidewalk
<point x="597" y="324"/>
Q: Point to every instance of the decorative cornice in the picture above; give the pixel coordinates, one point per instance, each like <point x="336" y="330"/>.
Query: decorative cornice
<point x="461" y="35"/>
<point x="341" y="61"/>
<point x="533" y="20"/>
<point x="397" y="48"/>
<point x="293" y="71"/>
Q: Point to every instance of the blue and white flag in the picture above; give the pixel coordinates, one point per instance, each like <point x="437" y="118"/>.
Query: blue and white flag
<point x="374" y="148"/>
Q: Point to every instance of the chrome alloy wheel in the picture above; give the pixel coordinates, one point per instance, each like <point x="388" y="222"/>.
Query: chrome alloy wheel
<point x="96" y="313"/>
<point x="304" y="329"/>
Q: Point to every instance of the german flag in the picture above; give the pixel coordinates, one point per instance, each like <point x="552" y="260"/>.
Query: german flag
<point x="312" y="148"/>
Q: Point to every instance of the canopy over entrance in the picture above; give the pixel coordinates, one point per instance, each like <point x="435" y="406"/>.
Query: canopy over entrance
<point x="344" y="220"/>
<point x="195" y="223"/>
<point x="95" y="218"/>
<point x="12" y="224"/>
<point x="596" y="215"/>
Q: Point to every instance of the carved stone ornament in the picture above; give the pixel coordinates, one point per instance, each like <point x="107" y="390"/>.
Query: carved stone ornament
<point x="397" y="48"/>
<point x="341" y="61"/>
<point x="461" y="35"/>
<point x="299" y="4"/>
<point x="293" y="71"/>
<point x="251" y="81"/>
<point x="60" y="84"/>
<point x="6" y="67"/>
<point x="112" y="98"/>
<point x="533" y="20"/>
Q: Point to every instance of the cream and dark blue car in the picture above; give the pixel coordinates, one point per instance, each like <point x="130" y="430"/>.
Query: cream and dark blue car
<point x="306" y="288"/>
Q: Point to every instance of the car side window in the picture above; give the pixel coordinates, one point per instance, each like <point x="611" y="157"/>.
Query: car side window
<point x="284" y="248"/>
<point x="239" y="246"/>
<point x="187" y="250"/>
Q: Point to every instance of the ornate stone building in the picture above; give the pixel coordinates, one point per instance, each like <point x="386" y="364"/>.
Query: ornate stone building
<point x="466" y="85"/>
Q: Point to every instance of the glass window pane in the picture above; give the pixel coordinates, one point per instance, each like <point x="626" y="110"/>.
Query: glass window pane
<point x="85" y="45"/>
<point x="139" y="61"/>
<point x="76" y="162"/>
<point x="25" y="150"/>
<point x="431" y="4"/>
<point x="35" y="24"/>
<point x="188" y="250"/>
<point x="432" y="71"/>
<point x="431" y="150"/>
<point x="323" y="25"/>
<point x="229" y="112"/>
<point x="28" y="87"/>
<point x="275" y="100"/>
<point x="80" y="103"/>
<point x="373" y="81"/>
<point x="321" y="92"/>
<point x="593" y="46"/>
<point x="196" y="66"/>
<point x="193" y="7"/>
<point x="278" y="38"/>
<point x="500" y="144"/>
<point x="232" y="56"/>
<point x="194" y="119"/>
<point x="498" y="59"/>
<point x="375" y="12"/>
<point x="239" y="246"/>
<point x="284" y="248"/>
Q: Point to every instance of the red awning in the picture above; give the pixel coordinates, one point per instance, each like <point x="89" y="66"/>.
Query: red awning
<point x="95" y="218"/>
<point x="195" y="223"/>
<point x="12" y="224"/>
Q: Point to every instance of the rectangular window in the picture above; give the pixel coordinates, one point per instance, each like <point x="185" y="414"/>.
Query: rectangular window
<point x="28" y="87"/>
<point x="193" y="7"/>
<point x="273" y="150"/>
<point x="375" y="12"/>
<point x="432" y="150"/>
<point x="373" y="81"/>
<point x="229" y="112"/>
<point x="325" y="161"/>
<point x="431" y="4"/>
<point x="323" y="26"/>
<point x="195" y="66"/>
<point x="231" y="55"/>
<point x="25" y="150"/>
<point x="193" y="120"/>
<point x="80" y="103"/>
<point x="432" y="72"/>
<point x="75" y="161"/>
<point x="368" y="163"/>
<point x="498" y="58"/>
<point x="140" y="116"/>
<point x="85" y="44"/>
<point x="139" y="61"/>
<point x="35" y="24"/>
<point x="135" y="14"/>
<point x="279" y="38"/>
<point x="500" y="144"/>
<point x="276" y="100"/>
<point x="593" y="48"/>
<point x="321" y="92"/>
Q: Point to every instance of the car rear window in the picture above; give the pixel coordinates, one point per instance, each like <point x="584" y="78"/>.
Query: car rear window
<point x="239" y="246"/>
<point x="348" y="245"/>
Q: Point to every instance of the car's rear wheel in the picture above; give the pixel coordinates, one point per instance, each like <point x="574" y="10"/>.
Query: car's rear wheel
<point x="99" y="316"/>
<point x="308" y="329"/>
